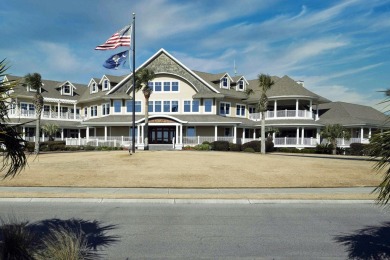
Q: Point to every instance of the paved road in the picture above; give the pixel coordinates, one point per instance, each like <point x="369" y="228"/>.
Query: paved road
<point x="219" y="231"/>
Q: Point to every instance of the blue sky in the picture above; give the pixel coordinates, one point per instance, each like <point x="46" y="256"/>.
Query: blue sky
<point x="340" y="49"/>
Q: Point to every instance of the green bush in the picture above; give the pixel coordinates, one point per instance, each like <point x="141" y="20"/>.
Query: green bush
<point x="89" y="148"/>
<point x="220" y="146"/>
<point x="357" y="149"/>
<point x="202" y="147"/>
<point x="255" y="145"/>
<point x="30" y="146"/>
<point x="287" y="150"/>
<point x="324" y="148"/>
<point x="235" y="147"/>
<point x="206" y="142"/>
<point x="249" y="150"/>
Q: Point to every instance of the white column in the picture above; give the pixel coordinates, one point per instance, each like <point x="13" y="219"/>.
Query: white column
<point x="234" y="134"/>
<point x="254" y="134"/>
<point x="273" y="136"/>
<point x="24" y="132"/>
<point x="87" y="134"/>
<point x="215" y="133"/>
<point x="138" y="133"/>
<point x="311" y="109"/>
<point x="142" y="134"/>
<point x="243" y="136"/>
<point x="181" y="133"/>
<point x="105" y="133"/>
<point x="43" y="136"/>
<point x="275" y="107"/>
<point x="94" y="131"/>
<point x="296" y="107"/>
<point x="302" y="136"/>
<point x="361" y="134"/>
<point x="74" y="109"/>
<point x="369" y="132"/>
<point x="79" y="136"/>
<point x="317" y="115"/>
<point x="177" y="134"/>
<point x="297" y="135"/>
<point x="59" y="110"/>
<point x="318" y="137"/>
<point x="62" y="134"/>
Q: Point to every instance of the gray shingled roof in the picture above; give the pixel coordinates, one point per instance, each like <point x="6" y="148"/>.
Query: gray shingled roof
<point x="50" y="89"/>
<point x="348" y="114"/>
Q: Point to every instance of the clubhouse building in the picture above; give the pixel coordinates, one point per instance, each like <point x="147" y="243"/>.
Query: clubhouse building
<point x="187" y="107"/>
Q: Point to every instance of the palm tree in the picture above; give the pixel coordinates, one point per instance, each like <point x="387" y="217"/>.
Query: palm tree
<point x="332" y="132"/>
<point x="143" y="76"/>
<point x="12" y="144"/>
<point x="34" y="81"/>
<point x="265" y="84"/>
<point x="379" y="149"/>
<point x="50" y="130"/>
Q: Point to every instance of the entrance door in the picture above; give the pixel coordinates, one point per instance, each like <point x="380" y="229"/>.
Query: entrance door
<point x="161" y="134"/>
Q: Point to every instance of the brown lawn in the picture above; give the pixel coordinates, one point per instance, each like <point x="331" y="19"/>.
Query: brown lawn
<point x="192" y="169"/>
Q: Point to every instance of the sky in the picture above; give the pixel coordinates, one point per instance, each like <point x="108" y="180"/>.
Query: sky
<point x="340" y="49"/>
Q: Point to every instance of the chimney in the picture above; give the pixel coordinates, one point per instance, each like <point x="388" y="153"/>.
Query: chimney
<point x="301" y="82"/>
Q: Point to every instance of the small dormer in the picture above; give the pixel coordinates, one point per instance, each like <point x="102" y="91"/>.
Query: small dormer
<point x="93" y="86"/>
<point x="241" y="84"/>
<point x="225" y="81"/>
<point x="105" y="83"/>
<point x="67" y="89"/>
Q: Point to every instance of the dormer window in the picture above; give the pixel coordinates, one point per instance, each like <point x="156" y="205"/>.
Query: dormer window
<point x="241" y="85"/>
<point x="94" y="87"/>
<point x="30" y="89"/>
<point x="66" y="90"/>
<point x="106" y="84"/>
<point x="225" y="82"/>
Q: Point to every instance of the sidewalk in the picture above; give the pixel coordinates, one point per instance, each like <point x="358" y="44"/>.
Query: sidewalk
<point x="168" y="194"/>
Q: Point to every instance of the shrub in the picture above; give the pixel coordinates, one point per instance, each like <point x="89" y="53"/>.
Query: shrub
<point x="89" y="148"/>
<point x="357" y="149"/>
<point x="206" y="142"/>
<point x="17" y="242"/>
<point x="235" y="147"/>
<point x="30" y="146"/>
<point x="220" y="146"/>
<point x="249" y="150"/>
<point x="202" y="147"/>
<point x="255" y="145"/>
<point x="324" y="148"/>
<point x="269" y="146"/>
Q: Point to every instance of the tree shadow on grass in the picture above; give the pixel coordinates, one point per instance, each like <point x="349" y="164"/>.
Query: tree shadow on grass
<point x="368" y="243"/>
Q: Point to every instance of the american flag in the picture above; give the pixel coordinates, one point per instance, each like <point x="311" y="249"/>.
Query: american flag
<point x="120" y="38"/>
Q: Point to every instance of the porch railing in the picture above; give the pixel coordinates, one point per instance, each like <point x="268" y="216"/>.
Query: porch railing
<point x="283" y="114"/>
<point x="45" y="114"/>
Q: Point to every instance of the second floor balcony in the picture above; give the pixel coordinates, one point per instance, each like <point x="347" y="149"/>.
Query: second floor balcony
<point x="284" y="114"/>
<point x="24" y="113"/>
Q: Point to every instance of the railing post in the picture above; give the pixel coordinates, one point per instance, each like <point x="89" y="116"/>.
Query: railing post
<point x="198" y="139"/>
<point x="97" y="142"/>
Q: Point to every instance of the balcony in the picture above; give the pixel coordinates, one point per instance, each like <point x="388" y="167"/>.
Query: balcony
<point x="23" y="113"/>
<point x="283" y="114"/>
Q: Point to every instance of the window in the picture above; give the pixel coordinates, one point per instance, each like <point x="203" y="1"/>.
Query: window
<point x="195" y="106"/>
<point x="175" y="86"/>
<point x="252" y="110"/>
<point x="187" y="106"/>
<point x="66" y="89"/>
<point x="240" y="110"/>
<point x="129" y="106"/>
<point x="93" y="111"/>
<point x="27" y="109"/>
<point x="106" y="109"/>
<point x="241" y="85"/>
<point x="157" y="86"/>
<point x="117" y="106"/>
<point x="228" y="132"/>
<point x="167" y="106"/>
<point x="175" y="106"/>
<point x="86" y="111"/>
<point x="46" y="109"/>
<point x="191" y="106"/>
<point x="225" y="82"/>
<point x="167" y="86"/>
<point x="106" y="84"/>
<point x="224" y="108"/>
<point x="208" y="105"/>
<point x="94" y="88"/>
<point x="150" y="106"/>
<point x="157" y="106"/>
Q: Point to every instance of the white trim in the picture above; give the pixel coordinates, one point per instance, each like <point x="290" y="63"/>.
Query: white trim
<point x="166" y="116"/>
<point x="245" y="107"/>
<point x="59" y="100"/>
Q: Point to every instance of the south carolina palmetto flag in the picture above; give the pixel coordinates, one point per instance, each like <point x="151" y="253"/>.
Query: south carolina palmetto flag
<point x="120" y="38"/>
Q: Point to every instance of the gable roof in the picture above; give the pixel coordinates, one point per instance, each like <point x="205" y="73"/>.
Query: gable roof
<point x="348" y="114"/>
<point x="158" y="54"/>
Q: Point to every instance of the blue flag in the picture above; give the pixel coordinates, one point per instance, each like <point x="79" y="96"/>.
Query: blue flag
<point x="116" y="60"/>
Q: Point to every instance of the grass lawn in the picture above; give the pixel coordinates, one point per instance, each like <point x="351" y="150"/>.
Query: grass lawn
<point x="192" y="169"/>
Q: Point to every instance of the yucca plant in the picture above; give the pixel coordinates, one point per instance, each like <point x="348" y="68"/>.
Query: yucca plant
<point x="16" y="240"/>
<point x="65" y="244"/>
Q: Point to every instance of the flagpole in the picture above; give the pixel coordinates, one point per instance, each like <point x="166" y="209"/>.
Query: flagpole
<point x="133" y="132"/>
